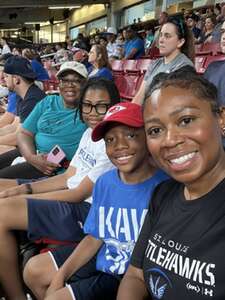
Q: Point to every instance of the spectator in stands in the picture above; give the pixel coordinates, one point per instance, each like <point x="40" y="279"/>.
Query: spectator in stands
<point x="5" y="46"/>
<point x="81" y="42"/>
<point x="217" y="30"/>
<point x="100" y="65"/>
<point x="183" y="232"/>
<point x="177" y="50"/>
<point x="215" y="72"/>
<point x="113" y="49"/>
<point x="19" y="78"/>
<point x="163" y="17"/>
<point x="207" y="34"/>
<point x="134" y="46"/>
<point x="97" y="39"/>
<point x="54" y="121"/>
<point x="37" y="66"/>
<point x="74" y="186"/>
<point x="103" y="41"/>
<point x="192" y="21"/>
<point x="149" y="39"/>
<point x="103" y="255"/>
<point x="16" y="51"/>
<point x="82" y="57"/>
<point x="9" y="115"/>
<point x="60" y="52"/>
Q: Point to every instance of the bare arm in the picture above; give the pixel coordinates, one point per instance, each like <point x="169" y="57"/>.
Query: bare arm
<point x="132" y="286"/>
<point x="6" y="119"/>
<point x="54" y="183"/>
<point x="132" y="53"/>
<point x="9" y="132"/>
<point x="86" y="249"/>
<point x="25" y="141"/>
<point x="139" y="97"/>
<point x="78" y="194"/>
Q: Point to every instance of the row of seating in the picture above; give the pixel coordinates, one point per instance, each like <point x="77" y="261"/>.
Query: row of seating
<point x="202" y="62"/>
<point x="208" y="49"/>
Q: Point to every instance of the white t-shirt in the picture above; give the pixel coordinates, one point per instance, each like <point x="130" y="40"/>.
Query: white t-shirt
<point x="89" y="160"/>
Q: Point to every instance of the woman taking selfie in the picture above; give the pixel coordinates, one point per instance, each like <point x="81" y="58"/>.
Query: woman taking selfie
<point x="179" y="253"/>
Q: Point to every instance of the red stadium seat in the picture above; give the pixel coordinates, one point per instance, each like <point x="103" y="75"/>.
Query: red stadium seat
<point x="51" y="86"/>
<point x="153" y="53"/>
<point x="117" y="66"/>
<point x="127" y="85"/>
<point x="207" y="49"/>
<point x="212" y="58"/>
<point x="130" y="65"/>
<point x="200" y="64"/>
<point x="143" y="64"/>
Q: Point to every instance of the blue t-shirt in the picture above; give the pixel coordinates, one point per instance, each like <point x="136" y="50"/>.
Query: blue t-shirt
<point x="103" y="72"/>
<point x="116" y="217"/>
<point x="37" y="67"/>
<point x="54" y="124"/>
<point x="136" y="43"/>
<point x="12" y="100"/>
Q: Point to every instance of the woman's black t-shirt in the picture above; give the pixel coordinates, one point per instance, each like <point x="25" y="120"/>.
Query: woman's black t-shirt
<point x="181" y="246"/>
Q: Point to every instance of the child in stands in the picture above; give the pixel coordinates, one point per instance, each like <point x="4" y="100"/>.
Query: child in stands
<point x="120" y="200"/>
<point x="57" y="207"/>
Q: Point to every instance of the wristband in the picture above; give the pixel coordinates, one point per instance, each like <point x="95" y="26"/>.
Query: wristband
<point x="28" y="188"/>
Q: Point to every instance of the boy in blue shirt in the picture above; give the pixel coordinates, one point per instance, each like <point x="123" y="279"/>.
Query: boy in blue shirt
<point x="120" y="201"/>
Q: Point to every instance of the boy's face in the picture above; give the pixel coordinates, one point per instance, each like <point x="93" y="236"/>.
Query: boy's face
<point x="126" y="148"/>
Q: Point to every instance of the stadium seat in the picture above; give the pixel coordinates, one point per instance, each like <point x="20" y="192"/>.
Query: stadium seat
<point x="51" y="86"/>
<point x="153" y="53"/>
<point x="117" y="66"/>
<point x="207" y="49"/>
<point x="212" y="58"/>
<point x="130" y="65"/>
<point x="143" y="64"/>
<point x="127" y="85"/>
<point x="200" y="63"/>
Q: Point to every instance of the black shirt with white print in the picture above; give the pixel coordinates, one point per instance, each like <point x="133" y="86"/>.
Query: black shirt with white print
<point x="182" y="244"/>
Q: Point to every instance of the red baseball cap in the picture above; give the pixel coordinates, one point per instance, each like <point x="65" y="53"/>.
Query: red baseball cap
<point x="126" y="113"/>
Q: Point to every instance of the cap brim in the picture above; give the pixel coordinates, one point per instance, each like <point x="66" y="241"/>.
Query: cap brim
<point x="68" y="69"/>
<point x="99" y="131"/>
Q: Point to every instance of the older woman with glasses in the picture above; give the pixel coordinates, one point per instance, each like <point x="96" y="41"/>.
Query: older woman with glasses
<point x="54" y="121"/>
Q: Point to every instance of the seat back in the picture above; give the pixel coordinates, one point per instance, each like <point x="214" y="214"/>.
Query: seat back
<point x="143" y="64"/>
<point x="200" y="64"/>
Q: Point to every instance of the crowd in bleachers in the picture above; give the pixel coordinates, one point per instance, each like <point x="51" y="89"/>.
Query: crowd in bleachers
<point x="74" y="159"/>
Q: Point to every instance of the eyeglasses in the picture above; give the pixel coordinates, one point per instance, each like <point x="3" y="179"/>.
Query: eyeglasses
<point x="68" y="82"/>
<point x="100" y="108"/>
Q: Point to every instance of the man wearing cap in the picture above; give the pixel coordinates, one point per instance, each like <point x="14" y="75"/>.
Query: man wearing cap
<point x="19" y="78"/>
<point x="112" y="46"/>
<point x="54" y="121"/>
<point x="134" y="47"/>
<point x="9" y="115"/>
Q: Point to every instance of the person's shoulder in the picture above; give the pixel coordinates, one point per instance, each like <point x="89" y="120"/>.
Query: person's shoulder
<point x="214" y="69"/>
<point x="164" y="191"/>
<point x="107" y="177"/>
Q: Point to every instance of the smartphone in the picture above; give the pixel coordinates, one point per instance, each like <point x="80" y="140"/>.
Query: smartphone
<point x="56" y="155"/>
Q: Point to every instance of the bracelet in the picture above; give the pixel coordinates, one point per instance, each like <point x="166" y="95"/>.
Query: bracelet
<point x="28" y="188"/>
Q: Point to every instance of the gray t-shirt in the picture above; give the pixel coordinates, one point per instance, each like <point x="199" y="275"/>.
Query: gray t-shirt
<point x="159" y="66"/>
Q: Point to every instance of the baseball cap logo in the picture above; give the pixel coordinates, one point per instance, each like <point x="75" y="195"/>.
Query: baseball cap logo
<point x="113" y="110"/>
